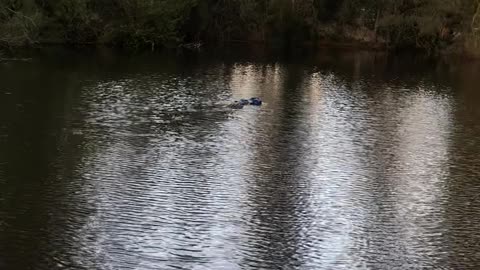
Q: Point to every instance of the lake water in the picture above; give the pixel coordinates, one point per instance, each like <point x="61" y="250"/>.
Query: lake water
<point x="356" y="160"/>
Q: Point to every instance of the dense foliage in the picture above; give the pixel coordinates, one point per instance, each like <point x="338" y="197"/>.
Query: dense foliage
<point x="432" y="25"/>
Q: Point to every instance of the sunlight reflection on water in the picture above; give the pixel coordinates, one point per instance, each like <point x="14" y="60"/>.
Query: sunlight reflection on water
<point x="335" y="171"/>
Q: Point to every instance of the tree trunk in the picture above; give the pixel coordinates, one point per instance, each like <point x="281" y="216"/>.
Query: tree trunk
<point x="377" y="18"/>
<point x="474" y="28"/>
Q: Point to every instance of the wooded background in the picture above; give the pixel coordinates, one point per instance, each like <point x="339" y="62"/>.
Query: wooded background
<point x="430" y="25"/>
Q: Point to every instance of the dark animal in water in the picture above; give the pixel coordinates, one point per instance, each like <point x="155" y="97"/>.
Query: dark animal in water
<point x="236" y="105"/>
<point x="255" y="101"/>
<point x="243" y="102"/>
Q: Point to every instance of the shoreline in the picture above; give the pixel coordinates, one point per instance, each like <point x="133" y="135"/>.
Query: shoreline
<point x="15" y="53"/>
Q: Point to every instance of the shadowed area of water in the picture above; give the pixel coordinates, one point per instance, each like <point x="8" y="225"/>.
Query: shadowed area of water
<point x="355" y="161"/>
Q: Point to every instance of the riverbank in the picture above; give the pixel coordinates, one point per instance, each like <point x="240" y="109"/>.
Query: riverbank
<point x="27" y="53"/>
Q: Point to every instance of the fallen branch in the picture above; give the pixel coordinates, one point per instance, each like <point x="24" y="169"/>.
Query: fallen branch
<point x="192" y="46"/>
<point x="15" y="59"/>
<point x="22" y="15"/>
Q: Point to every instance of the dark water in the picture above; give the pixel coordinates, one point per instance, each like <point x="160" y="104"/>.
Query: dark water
<point x="356" y="161"/>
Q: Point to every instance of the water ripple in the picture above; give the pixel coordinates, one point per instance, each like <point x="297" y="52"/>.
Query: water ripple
<point x="153" y="171"/>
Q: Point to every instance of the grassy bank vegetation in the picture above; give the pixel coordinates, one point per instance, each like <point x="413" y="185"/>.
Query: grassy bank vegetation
<point x="430" y="25"/>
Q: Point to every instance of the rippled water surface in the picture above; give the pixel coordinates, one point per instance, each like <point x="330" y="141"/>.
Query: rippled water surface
<point x="355" y="161"/>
